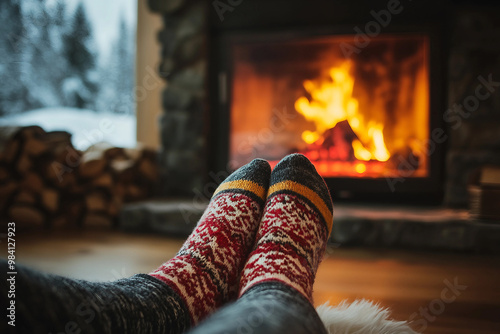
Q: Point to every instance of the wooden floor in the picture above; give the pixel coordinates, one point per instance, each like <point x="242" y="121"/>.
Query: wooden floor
<point x="414" y="285"/>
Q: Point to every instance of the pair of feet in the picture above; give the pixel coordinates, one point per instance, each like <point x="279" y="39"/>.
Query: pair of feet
<point x="260" y="226"/>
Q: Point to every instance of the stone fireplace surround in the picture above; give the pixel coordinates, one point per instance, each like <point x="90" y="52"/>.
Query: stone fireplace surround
<point x="471" y="58"/>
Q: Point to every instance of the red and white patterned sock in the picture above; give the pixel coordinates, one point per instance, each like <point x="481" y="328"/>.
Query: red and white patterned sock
<point x="205" y="272"/>
<point x="294" y="230"/>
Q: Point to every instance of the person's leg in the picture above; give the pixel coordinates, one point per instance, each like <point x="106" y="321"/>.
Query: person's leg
<point x="277" y="281"/>
<point x="54" y="304"/>
<point x="202" y="276"/>
<point x="205" y="272"/>
<point x="270" y="308"/>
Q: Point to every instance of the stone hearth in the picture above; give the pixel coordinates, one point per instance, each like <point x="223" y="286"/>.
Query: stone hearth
<point x="423" y="228"/>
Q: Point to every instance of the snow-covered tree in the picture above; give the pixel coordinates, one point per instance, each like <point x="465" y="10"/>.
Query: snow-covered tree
<point x="12" y="46"/>
<point x="47" y="60"/>
<point x="59" y="14"/>
<point x="81" y="88"/>
<point x="117" y="79"/>
<point x="124" y="49"/>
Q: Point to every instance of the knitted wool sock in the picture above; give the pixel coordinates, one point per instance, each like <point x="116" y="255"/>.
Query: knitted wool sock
<point x="292" y="237"/>
<point x="205" y="272"/>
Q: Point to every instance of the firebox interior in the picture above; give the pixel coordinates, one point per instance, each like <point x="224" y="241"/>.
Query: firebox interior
<point x="354" y="112"/>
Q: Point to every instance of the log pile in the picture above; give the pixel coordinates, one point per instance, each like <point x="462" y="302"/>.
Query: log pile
<point x="45" y="181"/>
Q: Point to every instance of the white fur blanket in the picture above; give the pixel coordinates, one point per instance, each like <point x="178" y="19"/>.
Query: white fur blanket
<point x="360" y="317"/>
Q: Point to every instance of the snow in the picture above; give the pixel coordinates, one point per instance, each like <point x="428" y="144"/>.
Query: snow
<point x="87" y="127"/>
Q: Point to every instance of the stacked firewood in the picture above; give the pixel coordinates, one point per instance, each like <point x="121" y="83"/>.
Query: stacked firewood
<point x="45" y="181"/>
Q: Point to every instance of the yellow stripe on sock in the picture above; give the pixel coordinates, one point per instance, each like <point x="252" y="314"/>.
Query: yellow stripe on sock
<point x="244" y="185"/>
<point x="308" y="193"/>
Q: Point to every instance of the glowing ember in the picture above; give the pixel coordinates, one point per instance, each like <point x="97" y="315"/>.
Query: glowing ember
<point x="360" y="168"/>
<point x="332" y="102"/>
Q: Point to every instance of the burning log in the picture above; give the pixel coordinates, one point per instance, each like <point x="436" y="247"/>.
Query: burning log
<point x="336" y="144"/>
<point x="338" y="141"/>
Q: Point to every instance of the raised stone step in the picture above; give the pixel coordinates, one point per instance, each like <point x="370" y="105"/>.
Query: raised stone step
<point x="176" y="217"/>
<point x="423" y="228"/>
<point x="413" y="227"/>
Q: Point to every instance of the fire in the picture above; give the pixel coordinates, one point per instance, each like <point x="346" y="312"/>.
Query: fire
<point x="360" y="168"/>
<point x="332" y="102"/>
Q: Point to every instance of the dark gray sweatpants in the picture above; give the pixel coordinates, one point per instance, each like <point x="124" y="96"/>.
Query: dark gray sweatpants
<point x="143" y="304"/>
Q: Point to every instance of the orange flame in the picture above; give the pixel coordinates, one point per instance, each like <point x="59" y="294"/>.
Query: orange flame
<point x="332" y="102"/>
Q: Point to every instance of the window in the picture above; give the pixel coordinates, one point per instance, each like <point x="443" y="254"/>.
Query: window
<point x="69" y="65"/>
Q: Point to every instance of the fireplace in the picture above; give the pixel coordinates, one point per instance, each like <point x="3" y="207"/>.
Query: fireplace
<point x="246" y="79"/>
<point x="363" y="117"/>
<point x="352" y="117"/>
<point x="388" y="146"/>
